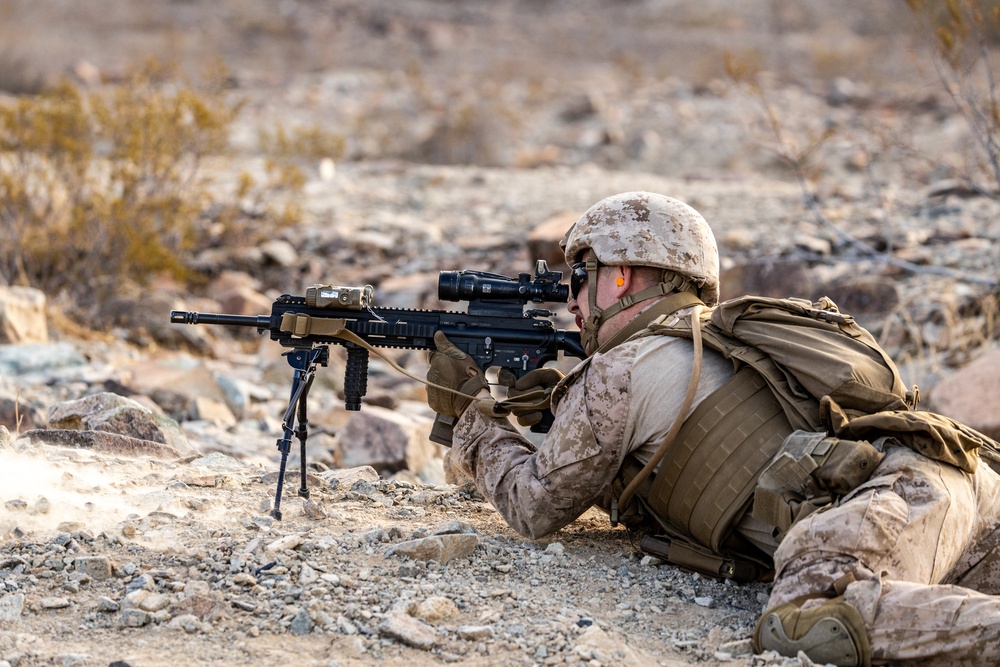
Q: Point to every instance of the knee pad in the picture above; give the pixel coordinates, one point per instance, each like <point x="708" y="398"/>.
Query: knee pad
<point x="832" y="632"/>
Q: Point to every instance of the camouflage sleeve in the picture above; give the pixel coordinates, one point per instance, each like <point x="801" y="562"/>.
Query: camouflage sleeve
<point x="540" y="491"/>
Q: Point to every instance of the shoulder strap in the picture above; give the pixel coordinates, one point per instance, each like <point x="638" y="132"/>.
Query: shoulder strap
<point x="668" y="439"/>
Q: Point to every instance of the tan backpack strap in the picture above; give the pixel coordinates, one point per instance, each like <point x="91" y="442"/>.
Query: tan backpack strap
<point x="626" y="496"/>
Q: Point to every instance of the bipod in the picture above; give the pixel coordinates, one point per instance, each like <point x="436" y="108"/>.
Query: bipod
<point x="303" y="361"/>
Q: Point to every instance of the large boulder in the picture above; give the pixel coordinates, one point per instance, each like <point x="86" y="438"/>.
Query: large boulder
<point x="387" y="440"/>
<point x="110" y="413"/>
<point x="971" y="394"/>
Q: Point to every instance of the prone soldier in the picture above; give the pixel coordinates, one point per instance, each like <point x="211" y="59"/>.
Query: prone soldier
<point x="899" y="565"/>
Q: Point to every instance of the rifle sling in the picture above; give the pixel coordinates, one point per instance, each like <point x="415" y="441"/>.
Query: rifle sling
<point x="300" y="326"/>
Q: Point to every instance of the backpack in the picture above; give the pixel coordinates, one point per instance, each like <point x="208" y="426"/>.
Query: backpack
<point x="800" y="367"/>
<point x="804" y="351"/>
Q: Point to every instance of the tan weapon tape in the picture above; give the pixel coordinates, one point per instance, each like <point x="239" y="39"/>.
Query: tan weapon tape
<point x="626" y="496"/>
<point x="305" y="325"/>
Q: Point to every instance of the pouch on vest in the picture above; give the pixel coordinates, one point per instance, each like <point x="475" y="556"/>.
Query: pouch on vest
<point x="810" y="471"/>
<point x="935" y="436"/>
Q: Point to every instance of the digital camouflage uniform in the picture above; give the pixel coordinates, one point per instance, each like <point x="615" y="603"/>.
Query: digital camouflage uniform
<point x="916" y="550"/>
<point x="614" y="404"/>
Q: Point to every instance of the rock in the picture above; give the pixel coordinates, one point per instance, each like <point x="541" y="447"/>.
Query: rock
<point x="435" y="608"/>
<point x="208" y="607"/>
<point x="106" y="604"/>
<point x="286" y="543"/>
<point x="971" y="394"/>
<point x="245" y="300"/>
<point x="280" y="252"/>
<point x="174" y="381"/>
<point x="543" y="240"/>
<point x="302" y="623"/>
<point x="22" y="315"/>
<point x="11" y="607"/>
<point x="146" y="600"/>
<point x="440" y="548"/>
<point x="45" y="359"/>
<point x="5" y="438"/>
<point x="313" y="510"/>
<point x="386" y="440"/>
<point x="415" y="290"/>
<point x="112" y="413"/>
<point x="775" y="278"/>
<point x="347" y="477"/>
<point x="135" y="618"/>
<point x="211" y="410"/>
<point x="54" y="603"/>
<point x="219" y="462"/>
<point x="97" y="568"/>
<point x="408" y="630"/>
<point x="112" y="443"/>
<point x="453" y="527"/>
<point x="871" y="296"/>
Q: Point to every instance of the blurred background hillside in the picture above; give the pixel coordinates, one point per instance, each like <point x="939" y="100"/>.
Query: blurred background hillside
<point x="152" y="150"/>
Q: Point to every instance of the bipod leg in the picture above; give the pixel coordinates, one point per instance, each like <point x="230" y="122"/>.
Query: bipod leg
<point x="304" y="363"/>
<point x="302" y="433"/>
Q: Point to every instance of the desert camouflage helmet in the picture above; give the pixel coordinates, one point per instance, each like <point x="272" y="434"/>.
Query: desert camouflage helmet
<point x="647" y="229"/>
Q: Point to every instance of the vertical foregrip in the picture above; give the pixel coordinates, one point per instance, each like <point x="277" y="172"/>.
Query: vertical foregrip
<point x="355" y="377"/>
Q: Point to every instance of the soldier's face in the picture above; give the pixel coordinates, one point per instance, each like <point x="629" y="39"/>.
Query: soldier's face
<point x="579" y="303"/>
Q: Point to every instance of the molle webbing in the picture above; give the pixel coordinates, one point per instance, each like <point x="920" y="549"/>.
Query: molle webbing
<point x="707" y="478"/>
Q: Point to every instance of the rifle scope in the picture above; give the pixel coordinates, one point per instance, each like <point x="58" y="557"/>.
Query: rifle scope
<point x="481" y="286"/>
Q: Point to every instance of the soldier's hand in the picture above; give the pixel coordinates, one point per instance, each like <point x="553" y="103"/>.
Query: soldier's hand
<point x="450" y="368"/>
<point x="531" y="394"/>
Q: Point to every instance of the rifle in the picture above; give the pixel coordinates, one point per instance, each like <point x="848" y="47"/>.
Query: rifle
<point x="496" y="331"/>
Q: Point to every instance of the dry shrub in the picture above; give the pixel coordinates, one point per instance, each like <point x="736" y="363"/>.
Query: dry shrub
<point x="102" y="188"/>
<point x="964" y="33"/>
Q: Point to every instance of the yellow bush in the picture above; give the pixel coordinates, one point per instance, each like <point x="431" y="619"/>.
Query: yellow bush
<point x="103" y="188"/>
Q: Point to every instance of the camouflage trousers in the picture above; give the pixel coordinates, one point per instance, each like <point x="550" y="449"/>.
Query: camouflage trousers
<point x="916" y="550"/>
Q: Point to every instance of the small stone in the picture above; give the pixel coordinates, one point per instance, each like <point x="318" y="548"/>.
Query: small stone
<point x="556" y="549"/>
<point x="705" y="602"/>
<point x="285" y="543"/>
<point x="244" y="579"/>
<point x="16" y="505"/>
<point x="97" y="568"/>
<point x="409" y="631"/>
<point x="106" y="604"/>
<point x="189" y="623"/>
<point x="440" y="548"/>
<point x="313" y="511"/>
<point x="53" y="603"/>
<point x="41" y="506"/>
<point x="11" y="607"/>
<point x="135" y="618"/>
<point x="435" y="608"/>
<point x="302" y="624"/>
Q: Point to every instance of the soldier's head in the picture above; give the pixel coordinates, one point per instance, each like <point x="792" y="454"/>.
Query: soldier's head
<point x="636" y="246"/>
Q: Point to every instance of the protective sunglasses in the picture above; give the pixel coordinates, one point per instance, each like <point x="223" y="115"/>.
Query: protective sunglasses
<point x="577" y="277"/>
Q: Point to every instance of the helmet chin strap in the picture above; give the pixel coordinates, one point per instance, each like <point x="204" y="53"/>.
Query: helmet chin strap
<point x="673" y="282"/>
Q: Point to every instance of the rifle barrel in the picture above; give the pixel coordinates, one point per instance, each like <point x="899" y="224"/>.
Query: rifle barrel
<point x="191" y="317"/>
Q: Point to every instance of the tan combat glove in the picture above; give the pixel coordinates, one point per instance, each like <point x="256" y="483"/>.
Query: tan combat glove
<point x="531" y="394"/>
<point x="450" y="368"/>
